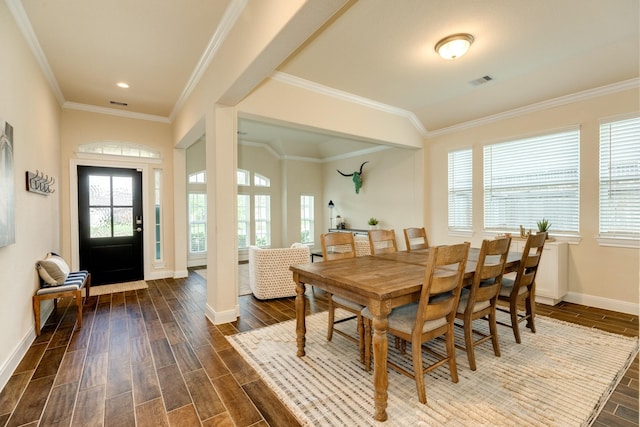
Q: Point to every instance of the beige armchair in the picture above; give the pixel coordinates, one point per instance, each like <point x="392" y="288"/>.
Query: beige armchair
<point x="269" y="274"/>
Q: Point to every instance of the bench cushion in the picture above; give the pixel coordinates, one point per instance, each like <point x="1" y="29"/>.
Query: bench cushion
<point x="75" y="280"/>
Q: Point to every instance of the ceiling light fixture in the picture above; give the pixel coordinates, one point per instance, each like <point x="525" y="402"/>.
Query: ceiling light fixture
<point x="454" y="46"/>
<point x="123" y="85"/>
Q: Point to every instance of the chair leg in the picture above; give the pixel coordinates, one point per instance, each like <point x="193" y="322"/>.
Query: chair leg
<point x="514" y="320"/>
<point x="493" y="328"/>
<point x="361" y="337"/>
<point x="451" y="354"/>
<point x="468" y="343"/>
<point x="531" y="312"/>
<point x="367" y="344"/>
<point x="331" y="319"/>
<point x="416" y="356"/>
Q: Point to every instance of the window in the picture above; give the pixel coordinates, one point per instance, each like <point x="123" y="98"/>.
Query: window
<point x="244" y="218"/>
<point x="157" y="179"/>
<point x="531" y="179"/>
<point x="197" y="222"/>
<point x="263" y="219"/>
<point x="306" y="219"/>
<point x="198" y="178"/>
<point x="261" y="181"/>
<point x="242" y="177"/>
<point x="115" y="148"/>
<point x="620" y="179"/>
<point x="460" y="191"/>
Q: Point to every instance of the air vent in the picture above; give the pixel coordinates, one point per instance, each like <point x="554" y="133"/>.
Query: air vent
<point x="121" y="104"/>
<point x="482" y="80"/>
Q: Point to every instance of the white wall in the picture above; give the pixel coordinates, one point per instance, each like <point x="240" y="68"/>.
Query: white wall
<point x="599" y="276"/>
<point x="27" y="103"/>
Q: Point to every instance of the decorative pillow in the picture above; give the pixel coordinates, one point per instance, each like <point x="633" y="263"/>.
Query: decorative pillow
<point x="53" y="270"/>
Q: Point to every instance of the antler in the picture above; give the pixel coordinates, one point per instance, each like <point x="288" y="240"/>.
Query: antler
<point x="344" y="174"/>
<point x="361" y="166"/>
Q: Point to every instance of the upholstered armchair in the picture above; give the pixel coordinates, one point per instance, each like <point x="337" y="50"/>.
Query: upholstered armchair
<point x="269" y="274"/>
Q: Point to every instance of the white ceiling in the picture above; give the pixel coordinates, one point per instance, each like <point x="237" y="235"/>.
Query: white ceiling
<point x="379" y="50"/>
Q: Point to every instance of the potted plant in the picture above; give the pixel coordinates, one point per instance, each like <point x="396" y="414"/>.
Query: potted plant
<point x="543" y="226"/>
<point x="373" y="223"/>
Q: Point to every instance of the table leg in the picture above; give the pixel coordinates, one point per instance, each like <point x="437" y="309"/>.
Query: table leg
<point x="380" y="348"/>
<point x="301" y="302"/>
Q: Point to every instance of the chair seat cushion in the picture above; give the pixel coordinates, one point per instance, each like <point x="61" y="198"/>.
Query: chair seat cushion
<point x="507" y="287"/>
<point x="346" y="303"/>
<point x="75" y="280"/>
<point x="404" y="318"/>
<point x="464" y="301"/>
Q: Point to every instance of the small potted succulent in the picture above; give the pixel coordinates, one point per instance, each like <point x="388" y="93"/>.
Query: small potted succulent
<point x="373" y="223"/>
<point x="543" y="226"/>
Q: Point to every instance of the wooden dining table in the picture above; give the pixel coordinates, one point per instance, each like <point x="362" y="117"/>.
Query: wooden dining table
<point x="380" y="282"/>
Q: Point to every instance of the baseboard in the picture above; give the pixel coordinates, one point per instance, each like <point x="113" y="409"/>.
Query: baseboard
<point x="6" y="371"/>
<point x="604" y="303"/>
<point x="222" y="317"/>
<point x="158" y="275"/>
<point x="180" y="273"/>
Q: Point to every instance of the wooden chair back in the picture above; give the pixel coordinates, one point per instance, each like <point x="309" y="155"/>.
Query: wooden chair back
<point x="416" y="238"/>
<point x="529" y="263"/>
<point x="338" y="246"/>
<point x="442" y="283"/>
<point x="489" y="270"/>
<point x="382" y="241"/>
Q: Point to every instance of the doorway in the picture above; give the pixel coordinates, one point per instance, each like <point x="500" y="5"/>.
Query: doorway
<point x="110" y="224"/>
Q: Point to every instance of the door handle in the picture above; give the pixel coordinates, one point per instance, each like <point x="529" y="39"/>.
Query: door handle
<point x="139" y="229"/>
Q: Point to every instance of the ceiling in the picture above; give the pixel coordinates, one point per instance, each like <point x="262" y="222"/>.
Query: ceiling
<point x="377" y="50"/>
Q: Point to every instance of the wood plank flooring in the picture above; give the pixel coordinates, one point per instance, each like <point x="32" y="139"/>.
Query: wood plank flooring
<point x="151" y="358"/>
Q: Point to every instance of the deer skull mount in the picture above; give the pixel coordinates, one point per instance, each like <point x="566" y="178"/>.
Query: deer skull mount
<point x="357" y="177"/>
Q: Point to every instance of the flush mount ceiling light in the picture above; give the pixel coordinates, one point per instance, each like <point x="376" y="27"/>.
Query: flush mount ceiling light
<point x="123" y="85"/>
<point x="454" y="46"/>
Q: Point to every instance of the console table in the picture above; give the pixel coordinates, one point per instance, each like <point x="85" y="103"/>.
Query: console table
<point x="355" y="231"/>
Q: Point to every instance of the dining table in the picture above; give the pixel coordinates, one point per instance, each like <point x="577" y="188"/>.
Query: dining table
<point x="380" y="282"/>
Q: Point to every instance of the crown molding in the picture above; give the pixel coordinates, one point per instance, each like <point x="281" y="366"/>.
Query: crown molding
<point x="349" y="97"/>
<point x="20" y="16"/>
<point x="231" y="15"/>
<point x="114" y="112"/>
<point x="544" y="105"/>
<point x="313" y="159"/>
<point x="356" y="153"/>
<point x="261" y="145"/>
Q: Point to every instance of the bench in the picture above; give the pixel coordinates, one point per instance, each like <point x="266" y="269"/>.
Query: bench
<point x="72" y="287"/>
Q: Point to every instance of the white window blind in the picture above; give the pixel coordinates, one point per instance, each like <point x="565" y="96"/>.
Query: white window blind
<point x="460" y="190"/>
<point x="620" y="178"/>
<point x="533" y="178"/>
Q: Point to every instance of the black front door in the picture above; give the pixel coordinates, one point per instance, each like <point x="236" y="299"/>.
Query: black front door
<point x="110" y="224"/>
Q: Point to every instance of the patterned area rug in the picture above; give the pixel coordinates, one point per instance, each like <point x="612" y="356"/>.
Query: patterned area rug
<point x="243" y="278"/>
<point x="560" y="376"/>
<point x="117" y="287"/>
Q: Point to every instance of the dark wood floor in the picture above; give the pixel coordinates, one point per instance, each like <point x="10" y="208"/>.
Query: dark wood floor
<point x="150" y="358"/>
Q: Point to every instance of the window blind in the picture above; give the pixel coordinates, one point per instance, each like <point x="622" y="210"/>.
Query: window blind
<point x="620" y="178"/>
<point x="533" y="178"/>
<point x="460" y="190"/>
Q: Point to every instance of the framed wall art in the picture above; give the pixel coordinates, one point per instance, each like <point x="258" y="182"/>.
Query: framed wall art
<point x="7" y="186"/>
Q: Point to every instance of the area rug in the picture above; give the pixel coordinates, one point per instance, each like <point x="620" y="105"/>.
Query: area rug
<point x="243" y="278"/>
<point x="560" y="376"/>
<point x="118" y="287"/>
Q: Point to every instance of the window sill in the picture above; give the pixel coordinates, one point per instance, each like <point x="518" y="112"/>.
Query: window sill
<point x="619" y="242"/>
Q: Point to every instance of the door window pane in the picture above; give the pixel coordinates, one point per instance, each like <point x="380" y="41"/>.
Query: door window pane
<point x="99" y="190"/>
<point x="122" y="191"/>
<point x="122" y="222"/>
<point x="100" y="222"/>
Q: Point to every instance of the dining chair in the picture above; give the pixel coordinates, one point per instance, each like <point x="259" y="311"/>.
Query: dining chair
<point x="479" y="300"/>
<point x="431" y="317"/>
<point x="523" y="287"/>
<point x="335" y="246"/>
<point x="416" y="238"/>
<point x="382" y="241"/>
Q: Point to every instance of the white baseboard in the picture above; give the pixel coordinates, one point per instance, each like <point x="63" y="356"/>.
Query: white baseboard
<point x="222" y="317"/>
<point x="604" y="303"/>
<point x="12" y="363"/>
<point x="157" y="275"/>
<point x="180" y="273"/>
